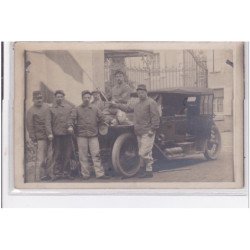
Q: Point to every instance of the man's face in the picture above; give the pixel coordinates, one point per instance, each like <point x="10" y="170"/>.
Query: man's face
<point x="119" y="78"/>
<point x="86" y="99"/>
<point x="59" y="98"/>
<point x="38" y="101"/>
<point x="96" y="96"/>
<point x="142" y="94"/>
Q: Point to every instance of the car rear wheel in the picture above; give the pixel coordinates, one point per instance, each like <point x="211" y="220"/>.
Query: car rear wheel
<point x="125" y="157"/>
<point x="213" y="144"/>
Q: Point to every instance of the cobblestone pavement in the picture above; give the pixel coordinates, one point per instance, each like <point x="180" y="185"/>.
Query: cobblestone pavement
<point x="190" y="169"/>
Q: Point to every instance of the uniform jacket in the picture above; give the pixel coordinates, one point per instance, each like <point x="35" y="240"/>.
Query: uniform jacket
<point x="146" y="115"/>
<point x="87" y="119"/>
<point x="36" y="117"/>
<point x="121" y="93"/>
<point x="59" y="119"/>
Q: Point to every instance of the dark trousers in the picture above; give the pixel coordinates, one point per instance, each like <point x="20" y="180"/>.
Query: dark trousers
<point x="62" y="152"/>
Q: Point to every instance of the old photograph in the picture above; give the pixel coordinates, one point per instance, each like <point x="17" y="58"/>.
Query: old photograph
<point x="128" y="115"/>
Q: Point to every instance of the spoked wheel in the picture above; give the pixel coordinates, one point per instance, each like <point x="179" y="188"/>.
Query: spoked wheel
<point x="125" y="158"/>
<point x="213" y="144"/>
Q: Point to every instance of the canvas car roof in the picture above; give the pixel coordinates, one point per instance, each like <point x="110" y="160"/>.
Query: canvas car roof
<point x="183" y="90"/>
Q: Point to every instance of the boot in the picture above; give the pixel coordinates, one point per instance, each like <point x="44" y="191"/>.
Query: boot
<point x="140" y="172"/>
<point x="142" y="168"/>
<point x="103" y="177"/>
<point x="147" y="173"/>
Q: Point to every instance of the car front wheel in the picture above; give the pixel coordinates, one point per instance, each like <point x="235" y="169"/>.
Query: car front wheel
<point x="125" y="158"/>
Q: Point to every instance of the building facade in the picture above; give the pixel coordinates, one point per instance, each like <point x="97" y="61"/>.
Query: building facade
<point x="221" y="79"/>
<point x="158" y="69"/>
<point x="71" y="71"/>
<point x="76" y="70"/>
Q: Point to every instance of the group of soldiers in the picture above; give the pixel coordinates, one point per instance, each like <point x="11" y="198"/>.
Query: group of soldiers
<point x="56" y="124"/>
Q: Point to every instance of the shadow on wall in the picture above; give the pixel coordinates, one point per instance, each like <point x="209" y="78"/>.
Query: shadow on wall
<point x="224" y="123"/>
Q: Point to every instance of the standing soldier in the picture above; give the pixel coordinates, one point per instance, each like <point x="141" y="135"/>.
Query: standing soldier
<point x="146" y="122"/>
<point x="87" y="118"/>
<point x="59" y="129"/>
<point x="36" y="128"/>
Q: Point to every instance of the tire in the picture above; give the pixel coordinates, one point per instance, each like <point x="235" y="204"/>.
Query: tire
<point x="125" y="157"/>
<point x="213" y="144"/>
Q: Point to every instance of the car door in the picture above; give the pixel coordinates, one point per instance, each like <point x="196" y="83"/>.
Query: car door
<point x="173" y="121"/>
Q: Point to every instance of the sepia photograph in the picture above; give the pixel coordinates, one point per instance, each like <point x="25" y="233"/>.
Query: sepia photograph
<point x="125" y="118"/>
<point x="128" y="115"/>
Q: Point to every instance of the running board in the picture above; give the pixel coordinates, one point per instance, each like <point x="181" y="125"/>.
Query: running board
<point x="177" y="156"/>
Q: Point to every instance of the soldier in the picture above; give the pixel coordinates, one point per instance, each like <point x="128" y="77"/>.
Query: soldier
<point x="120" y="93"/>
<point x="36" y="128"/>
<point x="146" y="122"/>
<point x="97" y="101"/>
<point x="87" y="118"/>
<point x="59" y="127"/>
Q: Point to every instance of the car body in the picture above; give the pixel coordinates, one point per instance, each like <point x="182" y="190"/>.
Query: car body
<point x="186" y="128"/>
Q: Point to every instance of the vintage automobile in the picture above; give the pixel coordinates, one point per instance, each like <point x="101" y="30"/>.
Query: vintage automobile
<point x="186" y="128"/>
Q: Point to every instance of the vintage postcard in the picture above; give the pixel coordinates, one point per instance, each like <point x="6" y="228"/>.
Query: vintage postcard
<point x="128" y="115"/>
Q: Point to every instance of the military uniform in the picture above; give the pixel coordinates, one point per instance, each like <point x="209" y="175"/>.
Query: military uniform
<point x="121" y="93"/>
<point x="146" y="120"/>
<point x="58" y="121"/>
<point x="87" y="118"/>
<point x="36" y="117"/>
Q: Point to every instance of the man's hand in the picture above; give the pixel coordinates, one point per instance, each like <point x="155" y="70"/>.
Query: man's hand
<point x="50" y="137"/>
<point x="113" y="122"/>
<point x="71" y="130"/>
<point x="150" y="133"/>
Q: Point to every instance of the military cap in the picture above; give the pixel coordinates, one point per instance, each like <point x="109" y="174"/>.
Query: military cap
<point x="59" y="92"/>
<point x="37" y="94"/>
<point x="141" y="87"/>
<point x="84" y="92"/>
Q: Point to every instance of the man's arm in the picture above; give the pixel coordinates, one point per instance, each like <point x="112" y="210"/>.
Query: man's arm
<point x="101" y="117"/>
<point x="72" y="120"/>
<point x="48" y="121"/>
<point x="125" y="96"/>
<point x="30" y="125"/>
<point x="72" y="117"/>
<point x="154" y="116"/>
<point x="129" y="108"/>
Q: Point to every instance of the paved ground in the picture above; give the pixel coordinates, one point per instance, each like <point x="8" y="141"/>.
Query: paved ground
<point x="196" y="169"/>
<point x="191" y="169"/>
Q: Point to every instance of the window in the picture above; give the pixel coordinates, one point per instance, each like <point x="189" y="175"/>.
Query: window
<point x="218" y="100"/>
<point x="191" y="99"/>
<point x="206" y="105"/>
